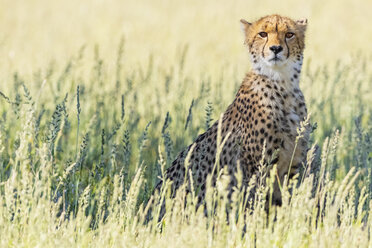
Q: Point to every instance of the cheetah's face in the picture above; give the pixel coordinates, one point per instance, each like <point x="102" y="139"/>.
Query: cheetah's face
<point x="275" y="41"/>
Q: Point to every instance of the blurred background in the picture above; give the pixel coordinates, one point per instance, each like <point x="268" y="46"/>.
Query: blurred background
<point x="34" y="32"/>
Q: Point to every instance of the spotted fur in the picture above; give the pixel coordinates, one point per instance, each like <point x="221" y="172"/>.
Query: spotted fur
<point x="267" y="110"/>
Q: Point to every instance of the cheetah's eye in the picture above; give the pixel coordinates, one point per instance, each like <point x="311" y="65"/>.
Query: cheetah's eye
<point x="289" y="35"/>
<point x="263" y="34"/>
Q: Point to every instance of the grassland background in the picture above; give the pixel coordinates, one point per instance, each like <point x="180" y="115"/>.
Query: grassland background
<point x="35" y="31"/>
<point x="172" y="53"/>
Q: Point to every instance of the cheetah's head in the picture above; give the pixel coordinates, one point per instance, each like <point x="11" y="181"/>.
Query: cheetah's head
<point x="275" y="42"/>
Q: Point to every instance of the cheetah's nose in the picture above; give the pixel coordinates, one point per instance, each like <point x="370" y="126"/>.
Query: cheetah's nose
<point x="276" y="49"/>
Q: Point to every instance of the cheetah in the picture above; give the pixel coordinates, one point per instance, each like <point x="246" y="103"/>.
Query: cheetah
<point x="264" y="115"/>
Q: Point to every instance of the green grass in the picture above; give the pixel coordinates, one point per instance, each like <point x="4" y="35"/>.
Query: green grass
<point x="85" y="130"/>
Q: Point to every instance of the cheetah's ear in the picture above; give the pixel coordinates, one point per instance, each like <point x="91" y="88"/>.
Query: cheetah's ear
<point x="244" y="25"/>
<point x="302" y="24"/>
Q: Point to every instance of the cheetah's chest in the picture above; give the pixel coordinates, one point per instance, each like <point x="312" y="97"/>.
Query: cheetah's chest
<point x="286" y="107"/>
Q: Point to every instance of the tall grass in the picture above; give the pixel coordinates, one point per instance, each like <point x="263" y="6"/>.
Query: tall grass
<point x="85" y="138"/>
<point x="95" y="193"/>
